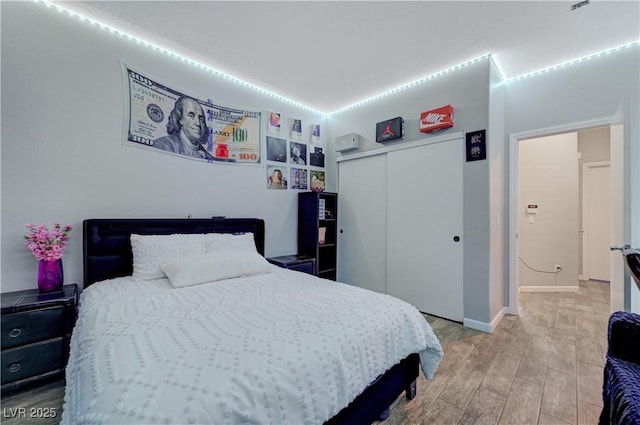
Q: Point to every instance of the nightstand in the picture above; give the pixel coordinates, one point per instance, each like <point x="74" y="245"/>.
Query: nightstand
<point x="295" y="262"/>
<point x="36" y="329"/>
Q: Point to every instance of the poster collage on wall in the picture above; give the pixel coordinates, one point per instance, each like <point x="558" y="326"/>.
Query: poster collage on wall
<point x="292" y="163"/>
<point x="166" y="120"/>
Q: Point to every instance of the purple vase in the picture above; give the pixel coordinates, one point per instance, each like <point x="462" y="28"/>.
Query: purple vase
<point x="50" y="275"/>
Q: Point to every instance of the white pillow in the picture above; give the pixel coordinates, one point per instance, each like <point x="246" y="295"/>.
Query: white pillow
<point x="151" y="251"/>
<point x="225" y="264"/>
<point x="214" y="242"/>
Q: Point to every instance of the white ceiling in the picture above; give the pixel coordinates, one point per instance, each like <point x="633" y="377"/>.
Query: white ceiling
<point x="327" y="55"/>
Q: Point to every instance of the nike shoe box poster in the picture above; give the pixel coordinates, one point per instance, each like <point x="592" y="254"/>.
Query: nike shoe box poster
<point x="436" y="119"/>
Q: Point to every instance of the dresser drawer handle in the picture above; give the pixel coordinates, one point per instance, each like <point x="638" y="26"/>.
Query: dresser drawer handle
<point x="15" y="332"/>
<point x="14" y="367"/>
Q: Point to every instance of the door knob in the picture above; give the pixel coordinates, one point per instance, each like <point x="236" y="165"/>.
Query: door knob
<point x="619" y="248"/>
<point x="456" y="238"/>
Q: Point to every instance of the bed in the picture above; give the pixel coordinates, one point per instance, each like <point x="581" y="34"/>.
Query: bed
<point x="269" y="346"/>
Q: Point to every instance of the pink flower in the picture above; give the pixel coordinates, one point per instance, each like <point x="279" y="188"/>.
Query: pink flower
<point x="45" y="244"/>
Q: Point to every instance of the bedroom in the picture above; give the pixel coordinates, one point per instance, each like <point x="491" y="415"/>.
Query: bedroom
<point x="68" y="163"/>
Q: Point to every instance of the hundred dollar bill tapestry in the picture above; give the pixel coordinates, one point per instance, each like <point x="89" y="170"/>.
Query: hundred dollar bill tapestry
<point x="170" y="121"/>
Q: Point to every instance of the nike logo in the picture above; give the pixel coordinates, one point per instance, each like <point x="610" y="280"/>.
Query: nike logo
<point x="433" y="118"/>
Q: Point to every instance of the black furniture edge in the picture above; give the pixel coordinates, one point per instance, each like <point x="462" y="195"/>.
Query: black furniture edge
<point x="301" y="263"/>
<point x="36" y="335"/>
<point x="309" y="224"/>
<point x="632" y="263"/>
<point x="12" y="388"/>
<point x="620" y="390"/>
<point x="107" y="244"/>
<point x="377" y="397"/>
<point x="15" y="302"/>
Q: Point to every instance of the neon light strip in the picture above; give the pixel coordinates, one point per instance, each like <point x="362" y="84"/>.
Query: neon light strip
<point x="498" y="69"/>
<point x="345" y="108"/>
<point x="180" y="57"/>
<point x="408" y="85"/>
<point x="572" y="62"/>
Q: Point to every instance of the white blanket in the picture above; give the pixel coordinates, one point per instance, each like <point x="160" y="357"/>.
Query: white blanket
<point x="277" y="348"/>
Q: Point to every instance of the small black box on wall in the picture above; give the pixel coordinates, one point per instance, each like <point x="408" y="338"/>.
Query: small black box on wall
<point x="390" y="129"/>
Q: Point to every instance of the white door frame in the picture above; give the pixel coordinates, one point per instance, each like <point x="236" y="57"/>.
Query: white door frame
<point x="514" y="140"/>
<point x="586" y="258"/>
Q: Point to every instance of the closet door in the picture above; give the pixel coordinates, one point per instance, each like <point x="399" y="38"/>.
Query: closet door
<point x="424" y="227"/>
<point x="362" y="222"/>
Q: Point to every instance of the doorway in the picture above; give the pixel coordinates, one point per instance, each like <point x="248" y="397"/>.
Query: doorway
<point x="548" y="227"/>
<point x="515" y="210"/>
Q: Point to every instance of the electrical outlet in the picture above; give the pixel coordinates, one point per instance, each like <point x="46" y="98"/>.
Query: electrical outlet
<point x="557" y="268"/>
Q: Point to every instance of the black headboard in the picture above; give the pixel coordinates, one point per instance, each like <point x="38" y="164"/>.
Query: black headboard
<point x="107" y="241"/>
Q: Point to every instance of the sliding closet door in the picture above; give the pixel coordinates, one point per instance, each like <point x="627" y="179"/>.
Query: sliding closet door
<point x="362" y="222"/>
<point x="424" y="227"/>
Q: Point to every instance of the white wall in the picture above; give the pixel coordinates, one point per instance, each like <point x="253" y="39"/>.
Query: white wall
<point x="549" y="178"/>
<point x="588" y="90"/>
<point x="594" y="146"/>
<point x="467" y="90"/>
<point x="62" y="157"/>
<point x="62" y="153"/>
<point x="497" y="211"/>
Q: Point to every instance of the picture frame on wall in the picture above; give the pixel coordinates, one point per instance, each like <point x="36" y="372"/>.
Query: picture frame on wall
<point x="276" y="149"/>
<point x="277" y="177"/>
<point x="296" y="129"/>
<point x="274" y="123"/>
<point x="315" y="133"/>
<point x="299" y="178"/>
<point x="476" y="145"/>
<point x="317" y="180"/>
<point x="298" y="153"/>
<point x="316" y="158"/>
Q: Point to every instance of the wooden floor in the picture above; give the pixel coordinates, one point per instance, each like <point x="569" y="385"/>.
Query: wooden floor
<point x="544" y="367"/>
<point x="17" y="409"/>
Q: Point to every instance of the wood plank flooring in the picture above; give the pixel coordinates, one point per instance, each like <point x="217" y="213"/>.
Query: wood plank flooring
<point x="17" y="409"/>
<point x="542" y="367"/>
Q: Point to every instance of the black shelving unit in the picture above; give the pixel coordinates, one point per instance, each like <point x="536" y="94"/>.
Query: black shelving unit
<point x="316" y="211"/>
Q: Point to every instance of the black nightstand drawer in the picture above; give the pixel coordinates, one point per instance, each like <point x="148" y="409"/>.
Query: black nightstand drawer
<point x="304" y="267"/>
<point x="295" y="262"/>
<point x="36" y="330"/>
<point x="31" y="360"/>
<point x="29" y="326"/>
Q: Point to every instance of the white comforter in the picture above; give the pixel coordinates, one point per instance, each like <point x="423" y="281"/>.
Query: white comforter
<point x="278" y="348"/>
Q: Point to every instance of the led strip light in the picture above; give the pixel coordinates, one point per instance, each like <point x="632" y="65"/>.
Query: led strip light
<point x="345" y="108"/>
<point x="408" y="85"/>
<point x="573" y="62"/>
<point x="179" y="57"/>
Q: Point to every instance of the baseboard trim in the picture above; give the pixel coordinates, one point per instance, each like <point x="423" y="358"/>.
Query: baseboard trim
<point x="483" y="326"/>
<point x="549" y="288"/>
